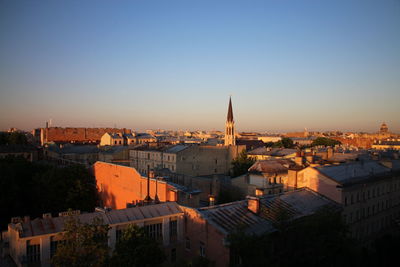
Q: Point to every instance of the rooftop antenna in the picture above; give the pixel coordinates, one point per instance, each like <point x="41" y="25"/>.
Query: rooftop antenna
<point x="148" y="198"/>
<point x="156" y="199"/>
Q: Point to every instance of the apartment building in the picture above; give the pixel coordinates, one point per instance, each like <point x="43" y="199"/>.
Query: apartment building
<point x="34" y="242"/>
<point x="194" y="160"/>
<point x="206" y="229"/>
<point x="368" y="192"/>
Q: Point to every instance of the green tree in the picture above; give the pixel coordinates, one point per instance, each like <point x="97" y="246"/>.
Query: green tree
<point x="285" y="142"/>
<point x="241" y="164"/>
<point x="136" y="249"/>
<point x="34" y="188"/>
<point x="324" y="141"/>
<point x="14" y="138"/>
<point x="84" y="244"/>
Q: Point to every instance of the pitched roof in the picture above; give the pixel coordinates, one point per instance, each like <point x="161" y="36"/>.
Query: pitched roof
<point x="271" y="166"/>
<point x="352" y="172"/>
<point x="42" y="226"/>
<point x="299" y="203"/>
<point x="274" y="152"/>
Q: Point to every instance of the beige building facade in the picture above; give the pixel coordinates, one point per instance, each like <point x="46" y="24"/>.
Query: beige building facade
<point x="34" y="242"/>
<point x="368" y="192"/>
<point x="193" y="160"/>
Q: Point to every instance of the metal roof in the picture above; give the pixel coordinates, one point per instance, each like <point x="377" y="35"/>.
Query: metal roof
<point x="229" y="217"/>
<point x="42" y="226"/>
<point x="353" y="171"/>
<point x="277" y="152"/>
<point x="271" y="166"/>
<point x="176" y="149"/>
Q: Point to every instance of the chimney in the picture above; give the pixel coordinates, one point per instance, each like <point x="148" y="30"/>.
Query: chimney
<point x="310" y="159"/>
<point x="253" y="204"/>
<point x="292" y="178"/>
<point x="211" y="199"/>
<point x="330" y="152"/>
<point x="46" y="215"/>
<point x="151" y="174"/>
<point x="298" y="160"/>
<point x="259" y="192"/>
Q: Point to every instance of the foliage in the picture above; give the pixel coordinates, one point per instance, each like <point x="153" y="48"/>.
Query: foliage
<point x="319" y="240"/>
<point x="84" y="244"/>
<point x="323" y="141"/>
<point x="14" y="138"/>
<point x="241" y="164"/>
<point x="285" y="142"/>
<point x="136" y="249"/>
<point x="34" y="188"/>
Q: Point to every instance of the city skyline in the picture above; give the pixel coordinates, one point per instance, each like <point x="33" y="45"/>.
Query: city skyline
<point x="155" y="65"/>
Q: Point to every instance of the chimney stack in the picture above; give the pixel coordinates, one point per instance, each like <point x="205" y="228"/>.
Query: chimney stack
<point x="253" y="204"/>
<point x="330" y="152"/>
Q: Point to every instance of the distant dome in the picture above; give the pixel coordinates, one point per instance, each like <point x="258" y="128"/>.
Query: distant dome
<point x="384" y="128"/>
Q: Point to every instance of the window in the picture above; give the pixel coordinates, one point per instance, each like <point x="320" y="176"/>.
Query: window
<point x="345" y="201"/>
<point x="187" y="243"/>
<point x="173" y="255"/>
<point x="118" y="235"/>
<point x="351" y="199"/>
<point x="173" y="228"/>
<point x="32" y="252"/>
<point x="202" y="249"/>
<point x="154" y="230"/>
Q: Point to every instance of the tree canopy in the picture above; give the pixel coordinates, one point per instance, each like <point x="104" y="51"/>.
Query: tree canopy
<point x="37" y="188"/>
<point x="285" y="142"/>
<point x="324" y="141"/>
<point x="83" y="244"/>
<point x="136" y="249"/>
<point x="14" y="138"/>
<point x="241" y="164"/>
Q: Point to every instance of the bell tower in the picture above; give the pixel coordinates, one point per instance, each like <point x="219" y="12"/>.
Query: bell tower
<point x="230" y="139"/>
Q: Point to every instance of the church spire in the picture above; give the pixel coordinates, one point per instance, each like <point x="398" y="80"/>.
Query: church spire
<point x="230" y="139"/>
<point x="230" y="112"/>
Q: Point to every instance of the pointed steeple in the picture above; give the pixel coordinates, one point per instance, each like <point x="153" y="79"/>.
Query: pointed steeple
<point x="230" y="112"/>
<point x="230" y="138"/>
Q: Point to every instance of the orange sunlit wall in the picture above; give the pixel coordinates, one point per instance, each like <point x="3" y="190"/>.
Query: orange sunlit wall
<point x="121" y="185"/>
<point x="200" y="233"/>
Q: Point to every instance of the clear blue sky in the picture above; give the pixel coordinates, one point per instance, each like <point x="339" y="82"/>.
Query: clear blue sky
<point x="173" y="64"/>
